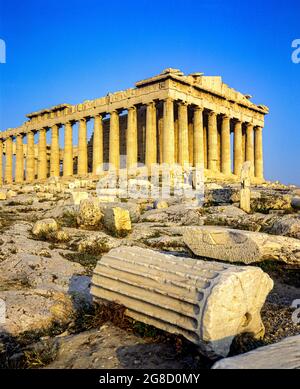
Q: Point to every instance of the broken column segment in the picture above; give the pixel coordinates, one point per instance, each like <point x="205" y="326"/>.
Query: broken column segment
<point x="209" y="303"/>
<point x="232" y="245"/>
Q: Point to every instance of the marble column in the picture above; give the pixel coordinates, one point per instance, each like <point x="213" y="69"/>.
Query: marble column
<point x="151" y="141"/>
<point x="19" y="159"/>
<point x="258" y="153"/>
<point x="212" y="142"/>
<point x="9" y="160"/>
<point x="176" y="140"/>
<point x="30" y="156"/>
<point x="237" y="148"/>
<point x="183" y="138"/>
<point x="191" y="143"/>
<point x="1" y="164"/>
<point x="98" y="145"/>
<point x="250" y="146"/>
<point x="42" y="156"/>
<point x="205" y="146"/>
<point x="54" y="154"/>
<point x="114" y="140"/>
<point x="160" y="138"/>
<point x="131" y="138"/>
<point x="68" y="150"/>
<point x="168" y="132"/>
<point x="225" y="146"/>
<point x="82" y="162"/>
<point x="198" y="137"/>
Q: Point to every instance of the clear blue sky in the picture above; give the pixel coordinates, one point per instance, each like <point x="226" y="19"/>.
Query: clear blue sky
<point x="72" y="50"/>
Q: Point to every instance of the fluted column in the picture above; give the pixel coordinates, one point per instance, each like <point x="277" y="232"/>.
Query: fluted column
<point x="212" y="142"/>
<point x="258" y="150"/>
<point x="97" y="144"/>
<point x="191" y="143"/>
<point x="198" y="137"/>
<point x="131" y="138"/>
<point x="183" y="140"/>
<point x="151" y="142"/>
<point x="1" y="158"/>
<point x="30" y="174"/>
<point x="114" y="140"/>
<point x="9" y="160"/>
<point x="250" y="146"/>
<point x="19" y="159"/>
<point x="168" y="132"/>
<point x="42" y="157"/>
<point x="54" y="155"/>
<point x="68" y="150"/>
<point x="82" y="164"/>
<point x="225" y="146"/>
<point x="238" y="148"/>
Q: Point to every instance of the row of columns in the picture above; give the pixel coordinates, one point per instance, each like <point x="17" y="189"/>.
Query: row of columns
<point x="207" y="146"/>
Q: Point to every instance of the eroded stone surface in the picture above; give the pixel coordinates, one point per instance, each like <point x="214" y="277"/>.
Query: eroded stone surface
<point x="281" y="355"/>
<point x="117" y="220"/>
<point x="184" y="296"/>
<point x="241" y="246"/>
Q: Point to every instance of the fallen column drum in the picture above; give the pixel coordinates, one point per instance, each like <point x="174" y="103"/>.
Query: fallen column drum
<point x="209" y="303"/>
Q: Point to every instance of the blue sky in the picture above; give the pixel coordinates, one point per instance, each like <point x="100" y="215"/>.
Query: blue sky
<point x="72" y="50"/>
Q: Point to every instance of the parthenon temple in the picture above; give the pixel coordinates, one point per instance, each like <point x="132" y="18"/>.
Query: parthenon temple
<point x="169" y="118"/>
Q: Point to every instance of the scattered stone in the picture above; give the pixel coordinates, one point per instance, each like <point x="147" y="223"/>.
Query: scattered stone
<point x="98" y="244"/>
<point x="271" y="201"/>
<point x="90" y="214"/>
<point x="160" y="204"/>
<point x="117" y="220"/>
<point x="11" y="193"/>
<point x="62" y="236"/>
<point x="288" y="225"/>
<point x="281" y="355"/>
<point x="133" y="209"/>
<point x="3" y="195"/>
<point x="296" y="202"/>
<point x="44" y="226"/>
<point x="184" y="296"/>
<point x="241" y="246"/>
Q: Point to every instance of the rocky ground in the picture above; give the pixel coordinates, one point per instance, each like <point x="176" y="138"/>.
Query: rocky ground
<point x="52" y="236"/>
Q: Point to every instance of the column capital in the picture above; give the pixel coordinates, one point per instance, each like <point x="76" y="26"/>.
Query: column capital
<point x="132" y="108"/>
<point x="198" y="108"/>
<point x="226" y="116"/>
<point x="212" y="113"/>
<point x="236" y="121"/>
<point x="151" y="104"/>
<point x="56" y="125"/>
<point x="169" y="99"/>
<point x="184" y="103"/>
<point x="249" y="125"/>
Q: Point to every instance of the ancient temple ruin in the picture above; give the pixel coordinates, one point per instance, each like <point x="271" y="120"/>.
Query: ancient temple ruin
<point x="169" y="118"/>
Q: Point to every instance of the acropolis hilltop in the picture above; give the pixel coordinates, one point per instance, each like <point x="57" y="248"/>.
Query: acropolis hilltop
<point x="169" y="118"/>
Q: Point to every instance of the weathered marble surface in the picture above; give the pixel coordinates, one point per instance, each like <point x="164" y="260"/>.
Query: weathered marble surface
<point x="184" y="296"/>
<point x="281" y="355"/>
